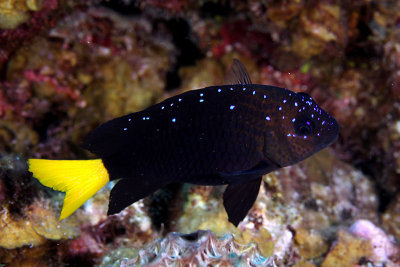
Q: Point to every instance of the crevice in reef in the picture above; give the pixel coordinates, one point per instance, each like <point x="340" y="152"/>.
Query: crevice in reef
<point x="185" y="43"/>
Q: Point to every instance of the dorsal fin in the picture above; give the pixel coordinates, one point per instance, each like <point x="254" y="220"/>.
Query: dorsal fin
<point x="237" y="74"/>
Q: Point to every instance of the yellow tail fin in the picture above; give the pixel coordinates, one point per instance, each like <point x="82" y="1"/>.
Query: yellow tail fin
<point x="80" y="179"/>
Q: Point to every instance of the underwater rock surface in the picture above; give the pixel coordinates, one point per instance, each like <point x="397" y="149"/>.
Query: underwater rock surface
<point x="67" y="66"/>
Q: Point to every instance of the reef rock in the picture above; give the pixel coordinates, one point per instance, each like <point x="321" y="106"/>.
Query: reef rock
<point x="384" y="251"/>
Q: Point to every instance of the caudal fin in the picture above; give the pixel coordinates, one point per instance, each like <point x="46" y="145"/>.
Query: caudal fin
<point x="80" y="179"/>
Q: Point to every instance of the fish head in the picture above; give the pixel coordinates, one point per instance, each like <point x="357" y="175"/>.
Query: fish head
<point x="299" y="129"/>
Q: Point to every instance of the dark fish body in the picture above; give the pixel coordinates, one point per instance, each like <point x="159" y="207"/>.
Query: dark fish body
<point x="228" y="134"/>
<point x="189" y="137"/>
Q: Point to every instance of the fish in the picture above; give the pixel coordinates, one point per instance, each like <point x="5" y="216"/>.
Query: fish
<point x="230" y="134"/>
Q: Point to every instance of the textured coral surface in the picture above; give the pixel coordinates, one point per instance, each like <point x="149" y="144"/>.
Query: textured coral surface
<point x="67" y="66"/>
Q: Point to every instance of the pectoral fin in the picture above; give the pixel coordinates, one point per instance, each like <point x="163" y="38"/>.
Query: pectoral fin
<point x="127" y="192"/>
<point x="239" y="198"/>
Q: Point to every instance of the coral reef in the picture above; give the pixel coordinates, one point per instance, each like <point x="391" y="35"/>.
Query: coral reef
<point x="17" y="186"/>
<point x="201" y="248"/>
<point x="348" y="251"/>
<point x="391" y="219"/>
<point x="366" y="243"/>
<point x="14" y="13"/>
<point x="87" y="87"/>
<point x="38" y="225"/>
<point x="38" y="16"/>
<point x="67" y="66"/>
<point x="384" y="251"/>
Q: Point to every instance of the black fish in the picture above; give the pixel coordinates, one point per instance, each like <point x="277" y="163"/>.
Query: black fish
<point x="220" y="135"/>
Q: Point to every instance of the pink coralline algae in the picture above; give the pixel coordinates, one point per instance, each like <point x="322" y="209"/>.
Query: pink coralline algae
<point x="384" y="251"/>
<point x="233" y="36"/>
<point x="36" y="77"/>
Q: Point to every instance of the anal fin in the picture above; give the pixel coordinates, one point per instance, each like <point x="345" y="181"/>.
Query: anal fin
<point x="239" y="198"/>
<point x="128" y="191"/>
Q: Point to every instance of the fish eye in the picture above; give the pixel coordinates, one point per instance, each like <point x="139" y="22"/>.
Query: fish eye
<point x="303" y="127"/>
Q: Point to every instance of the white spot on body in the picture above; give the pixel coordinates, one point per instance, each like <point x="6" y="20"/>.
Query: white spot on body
<point x="219" y="90"/>
<point x="173" y="120"/>
<point x="232" y="107"/>
<point x="201" y="100"/>
<point x="125" y="129"/>
<point x="295" y="104"/>
<point x="268" y="118"/>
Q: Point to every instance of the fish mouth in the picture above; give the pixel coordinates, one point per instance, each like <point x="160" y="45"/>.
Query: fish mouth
<point x="332" y="133"/>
